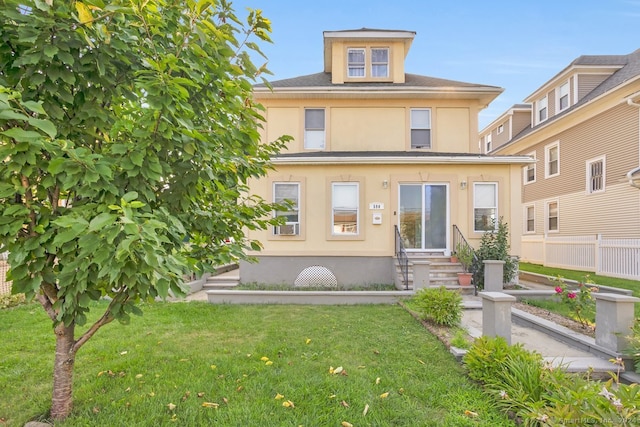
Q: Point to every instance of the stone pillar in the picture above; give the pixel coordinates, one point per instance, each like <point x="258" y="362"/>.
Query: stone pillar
<point x="614" y="320"/>
<point x="493" y="274"/>
<point x="496" y="314"/>
<point x="421" y="274"/>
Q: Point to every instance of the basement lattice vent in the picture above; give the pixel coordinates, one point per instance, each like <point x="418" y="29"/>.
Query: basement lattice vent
<point x="316" y="276"/>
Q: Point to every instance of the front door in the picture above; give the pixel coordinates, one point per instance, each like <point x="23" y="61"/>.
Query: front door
<point x="424" y="216"/>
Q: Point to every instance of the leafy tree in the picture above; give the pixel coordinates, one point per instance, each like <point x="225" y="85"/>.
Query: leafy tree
<point x="128" y="135"/>
<point x="494" y="245"/>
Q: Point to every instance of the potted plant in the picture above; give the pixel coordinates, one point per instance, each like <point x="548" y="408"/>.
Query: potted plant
<point x="464" y="252"/>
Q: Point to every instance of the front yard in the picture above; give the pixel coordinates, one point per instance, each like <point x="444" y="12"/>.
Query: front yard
<point x="201" y="364"/>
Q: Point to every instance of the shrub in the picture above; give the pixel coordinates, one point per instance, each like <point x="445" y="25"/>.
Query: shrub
<point x="459" y="339"/>
<point x="579" y="301"/>
<point x="439" y="305"/>
<point x="7" y="301"/>
<point x="633" y="348"/>
<point x="494" y="246"/>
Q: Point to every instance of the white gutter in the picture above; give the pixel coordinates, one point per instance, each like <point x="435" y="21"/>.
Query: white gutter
<point x="399" y="160"/>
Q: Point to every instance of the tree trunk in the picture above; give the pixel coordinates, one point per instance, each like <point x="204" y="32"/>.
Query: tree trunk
<point x="62" y="400"/>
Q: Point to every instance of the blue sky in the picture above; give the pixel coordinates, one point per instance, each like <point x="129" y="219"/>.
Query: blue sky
<point x="514" y="44"/>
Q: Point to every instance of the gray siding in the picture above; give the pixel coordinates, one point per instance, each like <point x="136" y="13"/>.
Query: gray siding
<point x="588" y="82"/>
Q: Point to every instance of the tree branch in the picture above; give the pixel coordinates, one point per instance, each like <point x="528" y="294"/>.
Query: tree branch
<point x="48" y="307"/>
<point x="107" y="317"/>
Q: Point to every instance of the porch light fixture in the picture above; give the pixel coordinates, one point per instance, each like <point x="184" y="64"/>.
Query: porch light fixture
<point x="385" y="184"/>
<point x="463" y="185"/>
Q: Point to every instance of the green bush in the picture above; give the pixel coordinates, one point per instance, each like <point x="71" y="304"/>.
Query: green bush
<point x="633" y="348"/>
<point x="439" y="305"/>
<point x="7" y="301"/>
<point x="494" y="246"/>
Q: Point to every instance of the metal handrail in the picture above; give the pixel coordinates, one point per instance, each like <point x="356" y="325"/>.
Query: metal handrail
<point x="403" y="259"/>
<point x="458" y="239"/>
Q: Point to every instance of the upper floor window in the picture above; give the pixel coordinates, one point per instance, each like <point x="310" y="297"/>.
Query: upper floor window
<point x="500" y="129"/>
<point x="485" y="206"/>
<point x="314" y="130"/>
<point x="355" y="62"/>
<point x="530" y="171"/>
<point x="487" y="146"/>
<point x="287" y="192"/>
<point x="380" y="62"/>
<point x="345" y="208"/>
<point x="563" y="96"/>
<point x="530" y="219"/>
<point x="420" y="128"/>
<point x="552" y="216"/>
<point x="595" y="175"/>
<point x="542" y="109"/>
<point x="552" y="162"/>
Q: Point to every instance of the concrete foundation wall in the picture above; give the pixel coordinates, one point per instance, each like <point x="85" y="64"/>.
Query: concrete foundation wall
<point x="349" y="271"/>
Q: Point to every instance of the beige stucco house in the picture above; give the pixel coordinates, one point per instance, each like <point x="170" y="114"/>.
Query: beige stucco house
<point x="376" y="149"/>
<point x="580" y="199"/>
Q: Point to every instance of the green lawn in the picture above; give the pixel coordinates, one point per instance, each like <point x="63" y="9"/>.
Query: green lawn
<point x="164" y="366"/>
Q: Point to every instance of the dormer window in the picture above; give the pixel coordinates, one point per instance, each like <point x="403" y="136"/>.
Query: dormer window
<point x="356" y="62"/>
<point x="563" y="97"/>
<point x="380" y="62"/>
<point x="542" y="109"/>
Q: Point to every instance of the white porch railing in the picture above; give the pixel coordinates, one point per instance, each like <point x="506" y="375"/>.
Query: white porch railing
<point x="607" y="257"/>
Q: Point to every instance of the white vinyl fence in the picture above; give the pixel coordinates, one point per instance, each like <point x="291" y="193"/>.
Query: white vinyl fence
<point x="607" y="257"/>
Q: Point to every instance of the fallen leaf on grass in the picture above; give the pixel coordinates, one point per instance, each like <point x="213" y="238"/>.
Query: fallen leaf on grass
<point x="264" y="358"/>
<point x="268" y="363"/>
<point x="96" y="410"/>
<point x="421" y="362"/>
<point x="279" y="396"/>
<point x="470" y="414"/>
<point x="214" y="367"/>
<point x="378" y="380"/>
<point x="307" y="341"/>
<point x="200" y="394"/>
<point x="288" y="404"/>
<point x="333" y="396"/>
<point x="183" y="360"/>
<point x="384" y="395"/>
<point x="138" y="376"/>
<point x="346" y="424"/>
<point x="240" y="388"/>
<point x="210" y="404"/>
<point x="366" y="409"/>
<point x="345" y="404"/>
<point x="122" y="353"/>
<point x="186" y="396"/>
<point x="335" y="371"/>
<point x="171" y="406"/>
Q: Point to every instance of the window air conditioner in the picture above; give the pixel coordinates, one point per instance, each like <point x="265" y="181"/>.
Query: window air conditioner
<point x="290" y="229"/>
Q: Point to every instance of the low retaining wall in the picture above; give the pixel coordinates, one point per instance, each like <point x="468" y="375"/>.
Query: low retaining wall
<point x="546" y="280"/>
<point x="306" y="297"/>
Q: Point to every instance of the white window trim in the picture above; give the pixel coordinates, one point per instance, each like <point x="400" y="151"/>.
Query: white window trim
<point x="546" y="216"/>
<point x="358" y="224"/>
<point x="525" y="169"/>
<point x="430" y="128"/>
<point x="547" y="149"/>
<point x="588" y="164"/>
<point x="539" y="109"/>
<point x="296" y="224"/>
<point x="559" y="95"/>
<point x="364" y="64"/>
<point x="324" y="130"/>
<point x="525" y="229"/>
<point x="380" y="63"/>
<point x="496" y="207"/>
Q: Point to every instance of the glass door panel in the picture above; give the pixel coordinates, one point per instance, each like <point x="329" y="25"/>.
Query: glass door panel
<point x="423" y="216"/>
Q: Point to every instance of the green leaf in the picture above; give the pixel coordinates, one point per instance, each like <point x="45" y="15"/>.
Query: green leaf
<point x="130" y="196"/>
<point x="101" y="221"/>
<point x="12" y="115"/>
<point x="22" y="135"/>
<point x="56" y="165"/>
<point x="44" y="125"/>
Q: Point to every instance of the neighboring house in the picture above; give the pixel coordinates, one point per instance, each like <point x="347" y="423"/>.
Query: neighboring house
<point x="580" y="200"/>
<point x="504" y="128"/>
<point x="375" y="148"/>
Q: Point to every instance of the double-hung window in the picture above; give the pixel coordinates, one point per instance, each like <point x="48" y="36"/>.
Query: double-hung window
<point x="542" y="109"/>
<point x="355" y="62"/>
<point x="380" y="62"/>
<point x="530" y="219"/>
<point x="485" y="206"/>
<point x="595" y="175"/>
<point x="488" y="143"/>
<point x="530" y="171"/>
<point x="287" y="193"/>
<point x="552" y="216"/>
<point x="314" y="129"/>
<point x="420" y="128"/>
<point x="563" y="96"/>
<point x="345" y="201"/>
<point x="552" y="161"/>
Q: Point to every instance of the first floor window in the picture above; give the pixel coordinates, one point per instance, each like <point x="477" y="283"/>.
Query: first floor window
<point x="530" y="219"/>
<point x="314" y="128"/>
<point x="552" y="216"/>
<point x="595" y="175"/>
<point x="287" y="193"/>
<point x="345" y="208"/>
<point x="420" y="128"/>
<point x="485" y="206"/>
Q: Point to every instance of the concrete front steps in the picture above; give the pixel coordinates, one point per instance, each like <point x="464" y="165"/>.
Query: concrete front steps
<point x="442" y="272"/>
<point x="225" y="280"/>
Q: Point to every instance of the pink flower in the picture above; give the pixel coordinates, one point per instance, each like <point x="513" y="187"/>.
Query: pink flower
<point x="558" y="290"/>
<point x="571" y="295"/>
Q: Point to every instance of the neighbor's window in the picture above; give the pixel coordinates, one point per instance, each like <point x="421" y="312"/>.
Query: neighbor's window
<point x="552" y="164"/>
<point x="563" y="96"/>
<point x="500" y="129"/>
<point x="314" y="130"/>
<point x="542" y="109"/>
<point x="530" y="219"/>
<point x="355" y="62"/>
<point x="345" y="206"/>
<point x="485" y="206"/>
<point x="552" y="216"/>
<point x="287" y="192"/>
<point x="420" y="128"/>
<point x="595" y="175"/>
<point x="530" y="171"/>
<point x="380" y="62"/>
<point x="487" y="146"/>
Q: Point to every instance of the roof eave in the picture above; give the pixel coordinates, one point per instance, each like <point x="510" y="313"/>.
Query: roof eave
<point x="399" y="160"/>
